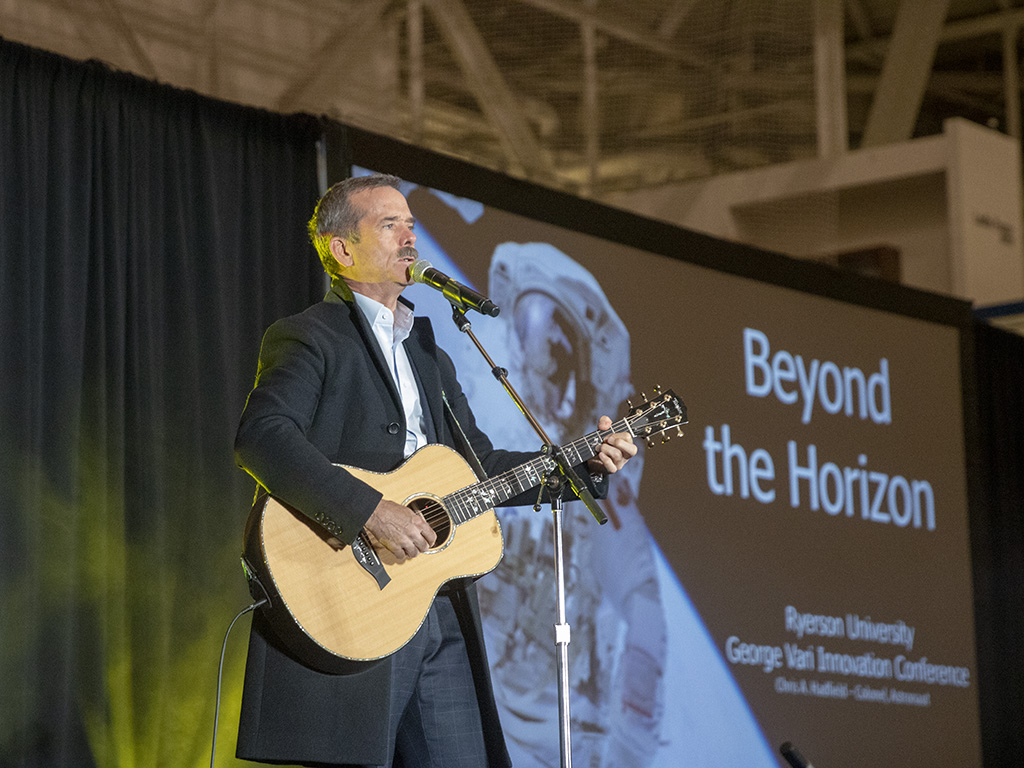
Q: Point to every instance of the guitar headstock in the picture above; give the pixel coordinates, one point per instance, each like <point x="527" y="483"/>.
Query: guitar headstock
<point x="664" y="411"/>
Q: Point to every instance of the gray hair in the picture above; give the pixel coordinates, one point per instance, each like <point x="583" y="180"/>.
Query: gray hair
<point x="336" y="216"/>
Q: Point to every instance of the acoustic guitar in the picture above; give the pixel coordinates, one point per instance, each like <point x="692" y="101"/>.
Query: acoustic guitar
<point x="339" y="608"/>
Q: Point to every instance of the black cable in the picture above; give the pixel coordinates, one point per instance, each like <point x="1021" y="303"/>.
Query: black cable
<point x="220" y="674"/>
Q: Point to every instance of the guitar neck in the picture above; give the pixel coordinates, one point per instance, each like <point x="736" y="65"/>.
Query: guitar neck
<point x="474" y="500"/>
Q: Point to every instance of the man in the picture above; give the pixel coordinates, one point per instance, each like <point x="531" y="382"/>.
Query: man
<point x="355" y="380"/>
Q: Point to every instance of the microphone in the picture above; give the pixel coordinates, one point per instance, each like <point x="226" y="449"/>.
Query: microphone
<point x="455" y="292"/>
<point x="793" y="757"/>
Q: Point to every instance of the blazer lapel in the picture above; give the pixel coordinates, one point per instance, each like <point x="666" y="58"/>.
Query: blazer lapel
<point x="341" y="293"/>
<point x="423" y="355"/>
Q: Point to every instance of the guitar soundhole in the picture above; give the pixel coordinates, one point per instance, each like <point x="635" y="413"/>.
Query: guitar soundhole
<point x="434" y="513"/>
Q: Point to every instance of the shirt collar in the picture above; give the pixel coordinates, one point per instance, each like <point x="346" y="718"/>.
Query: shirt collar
<point x="398" y="324"/>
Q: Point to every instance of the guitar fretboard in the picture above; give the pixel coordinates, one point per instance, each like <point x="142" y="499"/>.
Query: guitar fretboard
<point x="474" y="500"/>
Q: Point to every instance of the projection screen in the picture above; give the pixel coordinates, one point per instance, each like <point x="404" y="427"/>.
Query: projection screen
<point x="795" y="567"/>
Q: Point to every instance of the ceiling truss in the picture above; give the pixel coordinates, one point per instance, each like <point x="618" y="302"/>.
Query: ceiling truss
<point x="592" y="96"/>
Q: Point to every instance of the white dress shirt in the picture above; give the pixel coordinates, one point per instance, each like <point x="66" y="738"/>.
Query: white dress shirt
<point x="391" y="329"/>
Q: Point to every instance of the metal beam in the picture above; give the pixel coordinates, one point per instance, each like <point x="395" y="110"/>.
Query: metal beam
<point x="417" y="83"/>
<point x="1011" y="81"/>
<point x="323" y="65"/>
<point x="908" y="63"/>
<point x="964" y="29"/>
<point x="642" y="168"/>
<point x="860" y="19"/>
<point x="986" y="87"/>
<point x="614" y="27"/>
<point x="830" y="78"/>
<point x="591" y="127"/>
<point x="732" y="118"/>
<point x="488" y="85"/>
<point x="674" y="18"/>
<point x="1011" y="76"/>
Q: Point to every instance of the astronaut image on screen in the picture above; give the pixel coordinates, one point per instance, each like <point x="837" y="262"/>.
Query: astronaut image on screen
<point x="568" y="356"/>
<point x="648" y="686"/>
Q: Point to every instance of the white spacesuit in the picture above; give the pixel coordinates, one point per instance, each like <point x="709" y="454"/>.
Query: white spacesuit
<point x="568" y="357"/>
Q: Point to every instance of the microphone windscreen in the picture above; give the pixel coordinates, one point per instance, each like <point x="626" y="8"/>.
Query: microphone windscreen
<point x="417" y="269"/>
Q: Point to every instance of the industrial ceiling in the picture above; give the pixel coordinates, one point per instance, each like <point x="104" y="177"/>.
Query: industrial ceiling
<point x="589" y="96"/>
<point x="593" y="97"/>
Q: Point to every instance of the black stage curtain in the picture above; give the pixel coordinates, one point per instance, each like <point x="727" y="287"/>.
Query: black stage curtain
<point x="997" y="532"/>
<point x="147" y="237"/>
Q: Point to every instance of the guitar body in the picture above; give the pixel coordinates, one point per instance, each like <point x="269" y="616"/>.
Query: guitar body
<point x="326" y="606"/>
<point x="341" y="608"/>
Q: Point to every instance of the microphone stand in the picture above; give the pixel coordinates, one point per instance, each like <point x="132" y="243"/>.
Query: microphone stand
<point x="553" y="484"/>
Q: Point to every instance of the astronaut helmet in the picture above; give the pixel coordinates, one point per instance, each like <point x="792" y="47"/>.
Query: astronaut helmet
<point x="568" y="348"/>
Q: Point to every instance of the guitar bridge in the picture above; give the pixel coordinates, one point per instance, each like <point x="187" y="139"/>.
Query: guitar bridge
<point x="367" y="557"/>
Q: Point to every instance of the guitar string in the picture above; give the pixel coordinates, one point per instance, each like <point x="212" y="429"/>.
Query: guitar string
<point x="495" y="488"/>
<point x="460" y="503"/>
<point x="465" y="504"/>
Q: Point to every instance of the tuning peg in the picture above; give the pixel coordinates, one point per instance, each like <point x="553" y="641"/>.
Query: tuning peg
<point x="629" y="404"/>
<point x="657" y="390"/>
<point x="679" y="431"/>
<point x="649" y="442"/>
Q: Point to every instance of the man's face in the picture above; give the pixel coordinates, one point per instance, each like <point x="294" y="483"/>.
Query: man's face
<point x="377" y="260"/>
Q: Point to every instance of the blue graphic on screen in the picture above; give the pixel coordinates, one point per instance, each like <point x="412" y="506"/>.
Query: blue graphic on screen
<point x="648" y="686"/>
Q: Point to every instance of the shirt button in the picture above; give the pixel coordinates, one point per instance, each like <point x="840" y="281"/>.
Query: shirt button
<point x="393" y="428"/>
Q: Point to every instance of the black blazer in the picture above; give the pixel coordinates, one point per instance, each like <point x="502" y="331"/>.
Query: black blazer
<point x="324" y="395"/>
